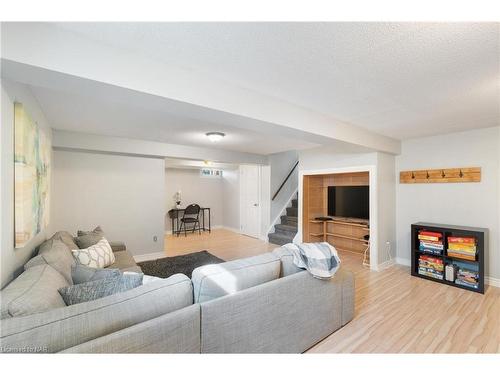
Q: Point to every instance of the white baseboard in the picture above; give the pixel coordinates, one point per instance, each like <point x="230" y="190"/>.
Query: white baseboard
<point x="385" y="265"/>
<point x="213" y="227"/>
<point x="403" y="262"/>
<point x="150" y="256"/>
<point x="492" y="281"/>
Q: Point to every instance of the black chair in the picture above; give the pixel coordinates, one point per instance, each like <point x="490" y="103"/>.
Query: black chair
<point x="191" y="216"/>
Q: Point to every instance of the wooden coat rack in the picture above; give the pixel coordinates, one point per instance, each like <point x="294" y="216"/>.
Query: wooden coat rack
<point x="447" y="175"/>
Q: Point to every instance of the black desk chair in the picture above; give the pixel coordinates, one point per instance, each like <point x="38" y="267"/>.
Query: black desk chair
<point x="191" y="216"/>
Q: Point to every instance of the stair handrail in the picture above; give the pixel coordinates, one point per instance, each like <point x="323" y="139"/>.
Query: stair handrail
<point x="286" y="179"/>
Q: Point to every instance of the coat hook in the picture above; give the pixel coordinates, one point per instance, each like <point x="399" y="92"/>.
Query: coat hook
<point x="461" y="174"/>
<point x="427" y="174"/>
<point x="413" y="175"/>
<point x="442" y="174"/>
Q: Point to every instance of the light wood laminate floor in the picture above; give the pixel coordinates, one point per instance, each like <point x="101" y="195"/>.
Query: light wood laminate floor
<point x="394" y="312"/>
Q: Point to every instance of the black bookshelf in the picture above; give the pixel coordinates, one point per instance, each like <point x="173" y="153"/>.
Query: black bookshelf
<point x="481" y="235"/>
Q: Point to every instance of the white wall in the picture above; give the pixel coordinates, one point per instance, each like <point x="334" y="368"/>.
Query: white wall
<point x="231" y="194"/>
<point x="471" y="204"/>
<point x="205" y="191"/>
<point x="12" y="259"/>
<point x="222" y="195"/>
<point x="123" y="194"/>
<point x="386" y="207"/>
<point x="281" y="164"/>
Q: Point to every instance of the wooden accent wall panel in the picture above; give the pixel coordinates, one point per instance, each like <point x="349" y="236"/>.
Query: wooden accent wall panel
<point x="447" y="175"/>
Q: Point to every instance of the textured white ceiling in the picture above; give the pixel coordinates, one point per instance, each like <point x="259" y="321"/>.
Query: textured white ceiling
<point x="402" y="80"/>
<point x="132" y="119"/>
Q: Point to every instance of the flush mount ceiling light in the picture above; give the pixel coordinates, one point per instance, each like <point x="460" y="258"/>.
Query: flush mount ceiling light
<point x="215" y="136"/>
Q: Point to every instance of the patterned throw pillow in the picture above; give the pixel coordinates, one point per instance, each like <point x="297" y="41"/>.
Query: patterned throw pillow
<point x="99" y="255"/>
<point x="83" y="274"/>
<point x="93" y="290"/>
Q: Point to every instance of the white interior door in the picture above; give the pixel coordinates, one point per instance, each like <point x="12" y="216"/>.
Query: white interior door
<point x="250" y="204"/>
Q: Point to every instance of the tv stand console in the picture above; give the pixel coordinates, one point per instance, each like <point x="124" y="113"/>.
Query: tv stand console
<point x="344" y="233"/>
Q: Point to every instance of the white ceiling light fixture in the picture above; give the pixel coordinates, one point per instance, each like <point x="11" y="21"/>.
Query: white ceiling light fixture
<point x="215" y="136"/>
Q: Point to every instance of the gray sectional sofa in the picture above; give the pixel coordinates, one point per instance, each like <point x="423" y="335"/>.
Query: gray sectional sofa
<point x="261" y="304"/>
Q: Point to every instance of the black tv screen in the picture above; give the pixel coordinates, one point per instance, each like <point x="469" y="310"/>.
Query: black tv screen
<point x="349" y="201"/>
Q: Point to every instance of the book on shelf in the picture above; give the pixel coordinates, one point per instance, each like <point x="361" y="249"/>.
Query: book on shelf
<point x="430" y="251"/>
<point x="430" y="262"/>
<point x="466" y="240"/>
<point x="461" y="256"/>
<point x="430" y="274"/>
<point x="432" y="244"/>
<point x="430" y="236"/>
<point x="464" y="283"/>
<point x="463" y="247"/>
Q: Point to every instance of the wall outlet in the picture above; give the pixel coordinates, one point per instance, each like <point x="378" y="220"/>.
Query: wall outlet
<point x="155" y="238"/>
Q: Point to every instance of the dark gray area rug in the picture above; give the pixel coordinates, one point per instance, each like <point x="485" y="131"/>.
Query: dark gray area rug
<point x="165" y="267"/>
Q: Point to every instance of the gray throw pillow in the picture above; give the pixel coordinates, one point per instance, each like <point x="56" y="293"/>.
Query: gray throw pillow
<point x="93" y="290"/>
<point x="86" y="239"/>
<point x="56" y="254"/>
<point x="83" y="274"/>
<point x="66" y="238"/>
<point x="34" y="291"/>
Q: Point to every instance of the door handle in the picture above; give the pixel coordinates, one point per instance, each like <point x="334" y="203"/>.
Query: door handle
<point x="256" y="205"/>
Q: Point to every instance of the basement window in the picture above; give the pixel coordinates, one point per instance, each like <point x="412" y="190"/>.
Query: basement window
<point x="211" y="173"/>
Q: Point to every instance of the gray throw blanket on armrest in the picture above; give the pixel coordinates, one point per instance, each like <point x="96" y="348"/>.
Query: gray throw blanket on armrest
<point x="319" y="258"/>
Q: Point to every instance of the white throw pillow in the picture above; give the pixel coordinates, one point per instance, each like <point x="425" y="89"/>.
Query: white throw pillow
<point x="99" y="255"/>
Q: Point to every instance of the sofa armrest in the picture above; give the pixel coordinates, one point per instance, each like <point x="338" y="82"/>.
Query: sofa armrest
<point x="117" y="246"/>
<point x="65" y="327"/>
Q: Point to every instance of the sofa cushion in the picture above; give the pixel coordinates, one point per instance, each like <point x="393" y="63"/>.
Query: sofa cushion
<point x="286" y="258"/>
<point x="123" y="260"/>
<point x="34" y="291"/>
<point x="66" y="238"/>
<point x="93" y="290"/>
<point x="83" y="274"/>
<point x="217" y="280"/>
<point x="99" y="255"/>
<point x="117" y="246"/>
<point x="85" y="239"/>
<point x="96" y="230"/>
<point x="56" y="254"/>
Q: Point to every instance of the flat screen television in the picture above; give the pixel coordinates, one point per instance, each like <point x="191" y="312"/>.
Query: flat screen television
<point x="349" y="201"/>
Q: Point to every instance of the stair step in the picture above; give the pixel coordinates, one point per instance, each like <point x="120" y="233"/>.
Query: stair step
<point x="280" y="239"/>
<point x="292" y="211"/>
<point x="287" y="221"/>
<point x="285" y="229"/>
<point x="295" y="203"/>
<point x="290" y="219"/>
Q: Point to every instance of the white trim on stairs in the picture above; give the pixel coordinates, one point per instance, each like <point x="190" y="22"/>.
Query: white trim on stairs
<point x="283" y="211"/>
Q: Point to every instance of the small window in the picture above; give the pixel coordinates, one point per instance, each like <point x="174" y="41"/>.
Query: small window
<point x="214" y="173"/>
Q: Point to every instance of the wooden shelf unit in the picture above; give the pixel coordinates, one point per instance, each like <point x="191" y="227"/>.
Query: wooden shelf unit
<point x="481" y="236"/>
<point x="343" y="233"/>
